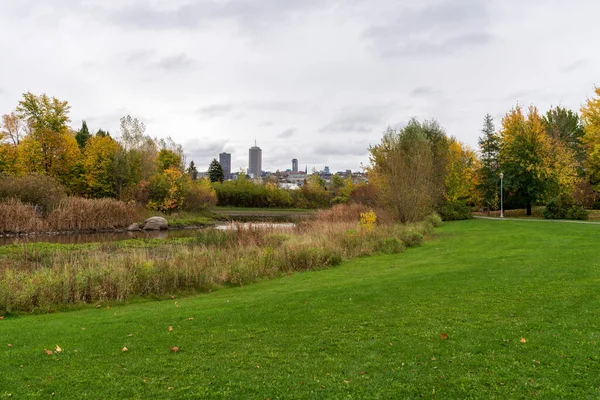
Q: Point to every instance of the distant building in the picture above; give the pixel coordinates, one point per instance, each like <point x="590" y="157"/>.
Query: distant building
<point x="255" y="161"/>
<point x="225" y="161"/>
<point x="295" y="165"/>
<point x="326" y="170"/>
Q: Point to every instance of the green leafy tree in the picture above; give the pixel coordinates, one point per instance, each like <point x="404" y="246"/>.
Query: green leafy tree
<point x="82" y="135"/>
<point x="192" y="171"/>
<point x="168" y="159"/>
<point x="590" y="113"/>
<point x="489" y="148"/>
<point x="215" y="171"/>
<point x="565" y="126"/>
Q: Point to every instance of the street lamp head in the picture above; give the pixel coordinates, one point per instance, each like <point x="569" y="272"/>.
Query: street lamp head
<point x="501" y="175"/>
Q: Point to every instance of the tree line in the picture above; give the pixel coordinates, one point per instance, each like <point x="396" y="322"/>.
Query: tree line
<point x="541" y="156"/>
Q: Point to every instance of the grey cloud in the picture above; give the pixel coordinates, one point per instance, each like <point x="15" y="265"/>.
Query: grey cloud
<point x="266" y="124"/>
<point x="202" y="151"/>
<point x="215" y="110"/>
<point x="423" y="91"/>
<point x="342" y="147"/>
<point x="359" y="119"/>
<point x="574" y="66"/>
<point x="177" y="62"/>
<point x="444" y="28"/>
<point x="146" y="58"/>
<point x="218" y="110"/>
<point x="288" y="133"/>
<point x="193" y="15"/>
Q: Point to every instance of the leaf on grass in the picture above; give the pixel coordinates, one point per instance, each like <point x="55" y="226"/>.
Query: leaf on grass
<point x="170" y="328"/>
<point x="444" y="336"/>
<point x="523" y="340"/>
<point x="58" y="349"/>
<point x="83" y="329"/>
<point x="1" y="317"/>
<point x="49" y="352"/>
<point x="130" y="335"/>
<point x="175" y="349"/>
<point x="98" y="305"/>
<point x="190" y="319"/>
<point x="9" y="345"/>
<point x="124" y="349"/>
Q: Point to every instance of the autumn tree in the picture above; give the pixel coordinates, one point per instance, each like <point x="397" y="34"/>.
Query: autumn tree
<point x="168" y="159"/>
<point x="461" y="175"/>
<point x="50" y="147"/>
<point x="215" y="171"/>
<point x="590" y="114"/>
<point x="536" y="167"/>
<point x="99" y="162"/>
<point x="12" y="129"/>
<point x="489" y="148"/>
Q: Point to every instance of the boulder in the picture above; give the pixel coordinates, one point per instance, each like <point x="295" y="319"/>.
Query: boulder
<point x="134" y="227"/>
<point x="155" y="224"/>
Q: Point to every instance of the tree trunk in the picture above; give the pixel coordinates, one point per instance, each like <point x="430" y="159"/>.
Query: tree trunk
<point x="528" y="208"/>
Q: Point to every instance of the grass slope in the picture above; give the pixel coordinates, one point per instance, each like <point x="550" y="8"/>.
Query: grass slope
<point x="368" y="329"/>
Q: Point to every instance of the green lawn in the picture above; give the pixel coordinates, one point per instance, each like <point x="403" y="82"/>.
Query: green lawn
<point x="369" y="328"/>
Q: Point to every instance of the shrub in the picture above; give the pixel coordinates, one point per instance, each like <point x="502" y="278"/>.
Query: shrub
<point x="455" y="211"/>
<point x="563" y="207"/>
<point x="43" y="192"/>
<point x="434" y="219"/>
<point x="412" y="238"/>
<point x="596" y="205"/>
<point x="198" y="196"/>
<point x="391" y="246"/>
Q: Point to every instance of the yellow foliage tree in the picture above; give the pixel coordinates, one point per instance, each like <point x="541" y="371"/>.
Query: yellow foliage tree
<point x="98" y="165"/>
<point x="590" y="114"/>
<point x="461" y="177"/>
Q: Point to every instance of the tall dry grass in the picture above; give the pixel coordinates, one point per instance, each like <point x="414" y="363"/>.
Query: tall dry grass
<point x="16" y="217"/>
<point x="32" y="280"/>
<point x="77" y="213"/>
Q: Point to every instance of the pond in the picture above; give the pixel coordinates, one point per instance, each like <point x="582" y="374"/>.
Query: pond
<point x="100" y="237"/>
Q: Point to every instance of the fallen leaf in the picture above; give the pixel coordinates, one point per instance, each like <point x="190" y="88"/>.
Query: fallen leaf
<point x="58" y="349"/>
<point x="170" y="329"/>
<point x="1" y="317"/>
<point x="172" y="297"/>
<point x="98" y="305"/>
<point x="107" y="307"/>
<point x="130" y="335"/>
<point x="444" y="336"/>
<point x="9" y="345"/>
<point x="124" y="349"/>
<point x="523" y="340"/>
<point x="389" y="344"/>
<point x="175" y="349"/>
<point x="190" y="319"/>
<point x="83" y="329"/>
<point x="49" y="352"/>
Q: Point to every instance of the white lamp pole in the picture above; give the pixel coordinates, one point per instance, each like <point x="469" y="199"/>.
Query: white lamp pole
<point x="501" y="196"/>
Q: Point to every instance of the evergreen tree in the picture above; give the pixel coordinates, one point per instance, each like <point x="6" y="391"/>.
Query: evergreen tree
<point x="192" y="171"/>
<point x="489" y="146"/>
<point x="102" y="133"/>
<point x="215" y="171"/>
<point x="82" y="135"/>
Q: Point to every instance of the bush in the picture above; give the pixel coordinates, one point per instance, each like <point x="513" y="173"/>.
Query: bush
<point x="198" y="196"/>
<point x="412" y="238"/>
<point x="391" y="246"/>
<point x="455" y="211"/>
<point x="43" y="192"/>
<point x="563" y="207"/>
<point x="596" y="205"/>
<point x="434" y="220"/>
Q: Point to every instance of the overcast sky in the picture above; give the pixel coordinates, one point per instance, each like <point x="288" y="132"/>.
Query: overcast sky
<point x="317" y="80"/>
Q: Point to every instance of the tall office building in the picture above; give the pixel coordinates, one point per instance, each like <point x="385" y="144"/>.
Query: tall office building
<point x="295" y="165"/>
<point x="255" y="161"/>
<point x="225" y="161"/>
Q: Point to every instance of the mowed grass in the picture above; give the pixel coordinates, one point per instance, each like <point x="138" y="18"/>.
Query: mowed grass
<point x="519" y="301"/>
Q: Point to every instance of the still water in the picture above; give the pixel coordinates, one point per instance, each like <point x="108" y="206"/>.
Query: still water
<point x="78" y="238"/>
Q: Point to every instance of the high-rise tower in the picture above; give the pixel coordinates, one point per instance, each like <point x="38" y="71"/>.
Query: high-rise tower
<point x="225" y="161"/>
<point x="295" y="165"/>
<point x="255" y="161"/>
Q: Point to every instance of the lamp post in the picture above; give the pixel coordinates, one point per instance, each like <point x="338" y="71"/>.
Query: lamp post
<point x="501" y="196"/>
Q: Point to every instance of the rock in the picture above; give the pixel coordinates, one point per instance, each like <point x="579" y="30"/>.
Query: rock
<point x="155" y="224"/>
<point x="134" y="227"/>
